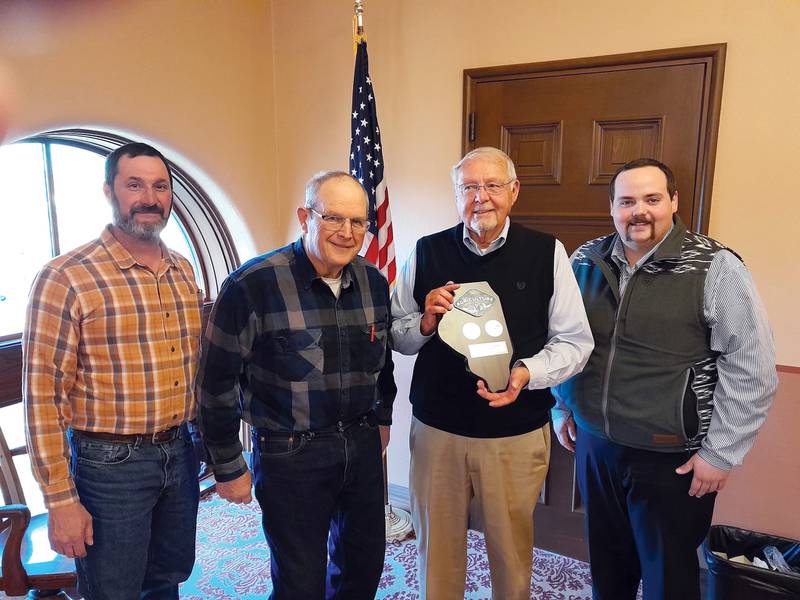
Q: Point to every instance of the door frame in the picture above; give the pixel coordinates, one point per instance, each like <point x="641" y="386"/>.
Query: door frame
<point x="712" y="56"/>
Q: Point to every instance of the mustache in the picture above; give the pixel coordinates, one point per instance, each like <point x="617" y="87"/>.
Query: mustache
<point x="151" y="209"/>
<point x="640" y="221"/>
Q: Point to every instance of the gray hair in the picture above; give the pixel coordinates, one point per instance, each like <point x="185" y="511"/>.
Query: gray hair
<point x="486" y="153"/>
<point x="319" y="179"/>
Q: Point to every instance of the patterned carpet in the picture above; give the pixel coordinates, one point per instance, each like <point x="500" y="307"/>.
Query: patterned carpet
<point x="233" y="563"/>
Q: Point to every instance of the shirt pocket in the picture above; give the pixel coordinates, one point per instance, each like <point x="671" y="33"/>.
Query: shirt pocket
<point x="294" y="354"/>
<point x="368" y="353"/>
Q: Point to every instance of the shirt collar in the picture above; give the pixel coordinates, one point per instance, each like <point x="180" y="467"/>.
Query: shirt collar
<point x="307" y="272"/>
<point x="618" y="252"/>
<point x="495" y="244"/>
<point x="122" y="257"/>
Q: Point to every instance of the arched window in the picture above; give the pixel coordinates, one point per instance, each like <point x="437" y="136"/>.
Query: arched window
<point x="51" y="200"/>
<point x="51" y="194"/>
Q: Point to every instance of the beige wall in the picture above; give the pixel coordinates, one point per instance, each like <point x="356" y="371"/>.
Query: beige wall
<point x="255" y="95"/>
<point x="762" y="494"/>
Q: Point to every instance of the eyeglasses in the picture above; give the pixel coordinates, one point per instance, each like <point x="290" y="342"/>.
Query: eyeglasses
<point x="335" y="222"/>
<point x="470" y="190"/>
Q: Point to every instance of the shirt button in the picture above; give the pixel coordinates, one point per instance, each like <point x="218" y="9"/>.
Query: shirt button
<point x="176" y="384"/>
<point x="172" y="349"/>
<point x="174" y="416"/>
<point x="168" y="315"/>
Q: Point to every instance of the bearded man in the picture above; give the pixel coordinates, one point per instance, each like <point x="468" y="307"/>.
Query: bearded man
<point x="110" y="350"/>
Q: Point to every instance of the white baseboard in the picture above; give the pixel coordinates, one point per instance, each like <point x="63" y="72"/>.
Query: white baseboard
<point x="399" y="497"/>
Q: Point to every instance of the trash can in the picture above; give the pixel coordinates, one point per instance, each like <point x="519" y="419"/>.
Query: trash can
<point x="729" y="580"/>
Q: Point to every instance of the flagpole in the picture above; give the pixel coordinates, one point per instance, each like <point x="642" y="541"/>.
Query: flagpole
<point x="358" y="19"/>
<point x="398" y="521"/>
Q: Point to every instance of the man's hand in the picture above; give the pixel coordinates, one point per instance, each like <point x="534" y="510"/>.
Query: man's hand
<point x="70" y="530"/>
<point x="566" y="432"/>
<point x="517" y="381"/>
<point x="707" y="478"/>
<point x="237" y="491"/>
<point x="384" y="431"/>
<point x="437" y="303"/>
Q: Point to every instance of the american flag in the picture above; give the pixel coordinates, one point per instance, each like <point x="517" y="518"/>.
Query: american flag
<point x="366" y="165"/>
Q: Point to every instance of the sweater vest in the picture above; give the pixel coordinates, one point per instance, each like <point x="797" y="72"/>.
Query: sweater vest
<point x="443" y="391"/>
<point x="650" y="381"/>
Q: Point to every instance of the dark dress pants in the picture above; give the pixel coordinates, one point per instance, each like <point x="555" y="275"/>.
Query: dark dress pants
<point x="321" y="494"/>
<point x="641" y="522"/>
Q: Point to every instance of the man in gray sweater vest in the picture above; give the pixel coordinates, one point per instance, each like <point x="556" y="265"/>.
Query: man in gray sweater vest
<point x="680" y="380"/>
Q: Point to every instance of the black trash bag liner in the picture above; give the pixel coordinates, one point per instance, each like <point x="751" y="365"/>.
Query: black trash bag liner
<point x="733" y="581"/>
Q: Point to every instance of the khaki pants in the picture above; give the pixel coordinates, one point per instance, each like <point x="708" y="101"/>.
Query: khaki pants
<point x="503" y="478"/>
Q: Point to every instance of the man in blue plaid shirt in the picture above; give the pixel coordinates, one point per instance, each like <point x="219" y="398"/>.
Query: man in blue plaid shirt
<point x="297" y="346"/>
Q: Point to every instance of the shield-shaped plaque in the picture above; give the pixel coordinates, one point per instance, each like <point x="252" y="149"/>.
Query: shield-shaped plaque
<point x="476" y="328"/>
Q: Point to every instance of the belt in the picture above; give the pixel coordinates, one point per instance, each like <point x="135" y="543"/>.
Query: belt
<point x="338" y="427"/>
<point x="159" y="437"/>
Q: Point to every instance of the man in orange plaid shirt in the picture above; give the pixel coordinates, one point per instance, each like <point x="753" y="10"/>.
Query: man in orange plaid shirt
<point x="110" y="351"/>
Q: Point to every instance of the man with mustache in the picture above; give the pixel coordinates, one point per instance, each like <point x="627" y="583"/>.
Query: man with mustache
<point x="110" y="351"/>
<point x="470" y="446"/>
<point x="297" y="346"/>
<point x="680" y="381"/>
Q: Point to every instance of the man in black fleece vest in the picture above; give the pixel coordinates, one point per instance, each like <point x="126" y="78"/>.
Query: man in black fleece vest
<point x="469" y="445"/>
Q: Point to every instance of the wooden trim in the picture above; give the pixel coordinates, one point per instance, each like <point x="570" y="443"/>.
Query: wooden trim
<point x="597" y="62"/>
<point x="10" y="373"/>
<point x="711" y="55"/>
<point x="707" y="159"/>
<point x="788" y="369"/>
<point x="15" y="579"/>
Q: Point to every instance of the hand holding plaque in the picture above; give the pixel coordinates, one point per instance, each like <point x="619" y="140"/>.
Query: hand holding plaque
<point x="476" y="328"/>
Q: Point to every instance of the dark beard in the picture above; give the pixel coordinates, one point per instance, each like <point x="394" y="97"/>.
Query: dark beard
<point x="146" y="232"/>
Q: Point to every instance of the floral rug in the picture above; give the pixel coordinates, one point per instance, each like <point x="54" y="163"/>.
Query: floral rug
<point x="233" y="563"/>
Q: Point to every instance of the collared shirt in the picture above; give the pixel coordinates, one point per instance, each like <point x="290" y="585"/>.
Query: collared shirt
<point x="284" y="353"/>
<point x="570" y="340"/>
<point x="108" y="346"/>
<point x="625" y="270"/>
<point x="740" y="333"/>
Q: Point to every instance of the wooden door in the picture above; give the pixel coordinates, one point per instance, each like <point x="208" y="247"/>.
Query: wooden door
<point x="568" y="125"/>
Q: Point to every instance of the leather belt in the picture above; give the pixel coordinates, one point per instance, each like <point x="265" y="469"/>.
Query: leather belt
<point x="159" y="437"/>
<point x="338" y="427"/>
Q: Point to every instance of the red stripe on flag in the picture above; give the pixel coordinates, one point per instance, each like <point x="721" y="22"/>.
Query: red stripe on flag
<point x="372" y="252"/>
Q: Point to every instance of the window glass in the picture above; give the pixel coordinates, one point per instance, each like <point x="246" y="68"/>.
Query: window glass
<point x="25" y="242"/>
<point x="176" y="238"/>
<point x="12" y="424"/>
<point x="81" y="206"/>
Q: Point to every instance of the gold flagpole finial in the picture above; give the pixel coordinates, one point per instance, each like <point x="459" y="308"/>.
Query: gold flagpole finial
<point x="358" y="22"/>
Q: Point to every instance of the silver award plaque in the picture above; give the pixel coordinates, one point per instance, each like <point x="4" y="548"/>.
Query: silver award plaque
<point x="476" y="328"/>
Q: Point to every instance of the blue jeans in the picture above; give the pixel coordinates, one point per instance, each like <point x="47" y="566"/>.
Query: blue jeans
<point x="321" y="493"/>
<point x="143" y="501"/>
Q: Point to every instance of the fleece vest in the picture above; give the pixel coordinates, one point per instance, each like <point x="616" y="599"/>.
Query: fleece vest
<point x="650" y="381"/>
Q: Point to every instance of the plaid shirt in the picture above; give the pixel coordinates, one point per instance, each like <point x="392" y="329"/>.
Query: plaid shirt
<point x="283" y="353"/>
<point x="108" y="346"/>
